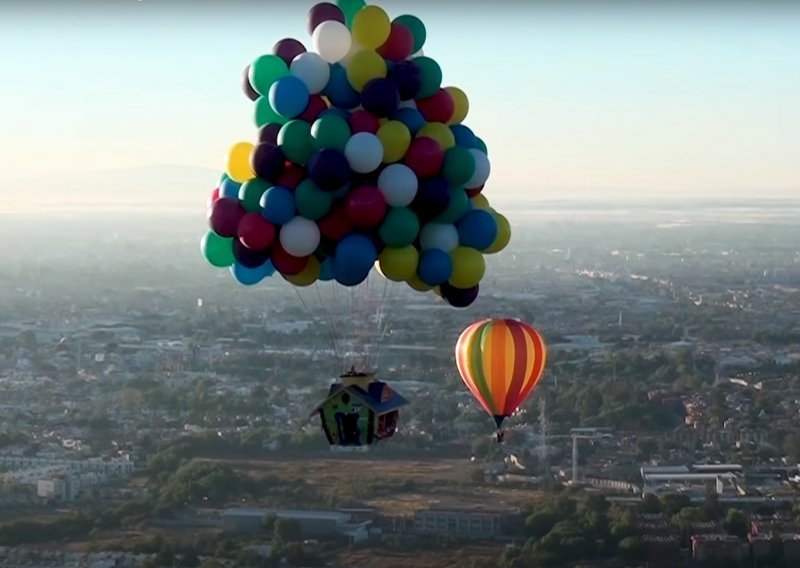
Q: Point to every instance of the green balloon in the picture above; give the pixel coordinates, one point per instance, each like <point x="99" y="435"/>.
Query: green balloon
<point x="218" y="251"/>
<point x="459" y="166"/>
<point x="459" y="204"/>
<point x="481" y="145"/>
<point x="265" y="70"/>
<point x="311" y="202"/>
<point x="330" y="131"/>
<point x="416" y="27"/>
<point x="294" y="139"/>
<point x="350" y="8"/>
<point x="400" y="227"/>
<point x="430" y="76"/>
<point x="250" y="193"/>
<point x="265" y="114"/>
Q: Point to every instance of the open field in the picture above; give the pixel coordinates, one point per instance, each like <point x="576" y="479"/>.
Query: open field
<point x="419" y="483"/>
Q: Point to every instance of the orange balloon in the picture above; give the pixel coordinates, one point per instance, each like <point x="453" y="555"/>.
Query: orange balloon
<point x="501" y="362"/>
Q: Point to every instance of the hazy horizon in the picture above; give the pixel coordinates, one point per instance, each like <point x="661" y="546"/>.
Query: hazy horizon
<point x="576" y="100"/>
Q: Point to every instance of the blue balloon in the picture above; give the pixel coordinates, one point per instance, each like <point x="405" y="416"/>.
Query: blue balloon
<point x="380" y="97"/>
<point x="326" y="270"/>
<point x="354" y="257"/>
<point x="435" y="267"/>
<point x="278" y="205"/>
<point x="411" y="117"/>
<point x="229" y="188"/>
<point x="339" y="90"/>
<point x="251" y="276"/>
<point x="464" y="136"/>
<point x="288" y="96"/>
<point x="477" y="229"/>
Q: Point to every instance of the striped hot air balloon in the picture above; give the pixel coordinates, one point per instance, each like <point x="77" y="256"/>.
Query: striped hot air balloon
<point x="501" y="361"/>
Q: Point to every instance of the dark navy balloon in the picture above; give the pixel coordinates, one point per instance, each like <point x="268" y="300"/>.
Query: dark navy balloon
<point x="269" y="133"/>
<point x="459" y="297"/>
<point x="464" y="136"/>
<point x="249" y="258"/>
<point x="267" y="161"/>
<point x="380" y="97"/>
<point x="432" y="199"/>
<point x="329" y="169"/>
<point x="407" y="77"/>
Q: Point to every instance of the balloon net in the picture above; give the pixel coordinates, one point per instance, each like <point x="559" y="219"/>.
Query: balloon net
<point x="352" y="322"/>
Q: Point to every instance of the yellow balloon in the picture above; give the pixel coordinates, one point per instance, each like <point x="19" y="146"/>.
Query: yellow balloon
<point x="238" y="163"/>
<point x="439" y="132"/>
<point x="371" y="27"/>
<point x="418" y="284"/>
<point x="461" y="105"/>
<point x="396" y="138"/>
<point x="479" y="201"/>
<point x="503" y="234"/>
<point x="365" y="66"/>
<point x="309" y="274"/>
<point x="398" y="263"/>
<point x="468" y="267"/>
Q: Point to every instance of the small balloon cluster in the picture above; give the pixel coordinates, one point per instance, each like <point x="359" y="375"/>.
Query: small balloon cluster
<point x="362" y="161"/>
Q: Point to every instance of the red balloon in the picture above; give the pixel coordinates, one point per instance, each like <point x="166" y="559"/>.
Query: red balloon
<point x="474" y="191"/>
<point x="437" y="108"/>
<point x="225" y="215"/>
<point x="363" y="121"/>
<point x="366" y="206"/>
<point x="316" y="106"/>
<point x="399" y="44"/>
<point x="213" y="198"/>
<point x="424" y="156"/>
<point x="291" y="176"/>
<point x="285" y="263"/>
<point x="335" y="225"/>
<point x="255" y="232"/>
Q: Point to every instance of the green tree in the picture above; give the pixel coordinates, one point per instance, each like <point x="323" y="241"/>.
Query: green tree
<point x="631" y="549"/>
<point x="735" y="523"/>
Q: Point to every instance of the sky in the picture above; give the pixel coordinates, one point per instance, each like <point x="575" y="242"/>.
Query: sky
<point x="574" y="99"/>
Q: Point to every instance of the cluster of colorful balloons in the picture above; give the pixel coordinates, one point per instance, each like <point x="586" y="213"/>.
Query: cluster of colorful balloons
<point x="362" y="161"/>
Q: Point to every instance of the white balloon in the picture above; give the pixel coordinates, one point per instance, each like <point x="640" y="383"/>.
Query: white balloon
<point x="438" y="236"/>
<point x="482" y="169"/>
<point x="312" y="70"/>
<point x="364" y="152"/>
<point x="410" y="103"/>
<point x="419" y="53"/>
<point x="398" y="184"/>
<point x="332" y="40"/>
<point x="300" y="237"/>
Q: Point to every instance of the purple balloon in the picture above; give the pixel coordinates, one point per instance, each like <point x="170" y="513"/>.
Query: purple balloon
<point x="329" y="169"/>
<point x="249" y="258"/>
<point x="407" y="77"/>
<point x="226" y="212"/>
<point x="248" y="89"/>
<point x="459" y="297"/>
<point x="269" y="133"/>
<point x="288" y="48"/>
<point x="432" y="198"/>
<point x="323" y="12"/>
<point x="267" y="161"/>
<point x="380" y="97"/>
